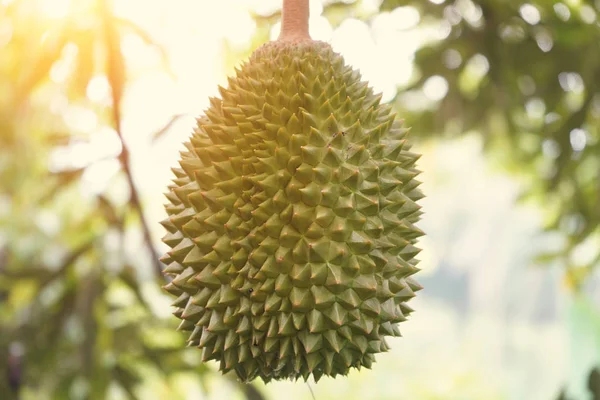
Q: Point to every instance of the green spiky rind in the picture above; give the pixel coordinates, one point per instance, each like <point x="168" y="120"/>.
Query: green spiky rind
<point x="291" y="220"/>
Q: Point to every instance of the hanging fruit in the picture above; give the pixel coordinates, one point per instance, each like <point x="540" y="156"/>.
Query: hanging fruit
<point x="291" y="219"/>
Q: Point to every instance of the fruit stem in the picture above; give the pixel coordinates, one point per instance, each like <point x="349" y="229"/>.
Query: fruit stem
<point x="294" y="21"/>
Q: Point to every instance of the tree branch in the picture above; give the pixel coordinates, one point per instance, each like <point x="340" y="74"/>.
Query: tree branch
<point x="116" y="78"/>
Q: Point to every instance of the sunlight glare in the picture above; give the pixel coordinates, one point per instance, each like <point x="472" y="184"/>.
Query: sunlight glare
<point x="64" y="66"/>
<point x="275" y="29"/>
<point x="59" y="72"/>
<point x="369" y="6"/>
<point x="69" y="157"/>
<point x="530" y="14"/>
<point x="578" y="139"/>
<point x="103" y="145"/>
<point x="368" y="51"/>
<point x="320" y="29"/>
<point x="244" y="28"/>
<point x="48" y="222"/>
<point x="80" y="119"/>
<point x="452" y="59"/>
<point x="587" y="14"/>
<point x="6" y="32"/>
<point x="405" y="17"/>
<point x="435" y="88"/>
<point x="562" y="11"/>
<point x="98" y="89"/>
<point x="316" y="7"/>
<point x="58" y="103"/>
<point x="97" y="177"/>
<point x="55" y="9"/>
<point x="266" y="7"/>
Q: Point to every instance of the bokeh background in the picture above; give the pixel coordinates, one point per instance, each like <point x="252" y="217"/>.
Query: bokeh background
<point x="503" y="97"/>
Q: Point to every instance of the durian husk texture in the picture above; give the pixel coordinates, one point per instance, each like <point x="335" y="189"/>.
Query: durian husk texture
<point x="291" y="220"/>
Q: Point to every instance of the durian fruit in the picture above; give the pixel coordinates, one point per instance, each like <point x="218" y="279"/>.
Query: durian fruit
<point x="291" y="217"/>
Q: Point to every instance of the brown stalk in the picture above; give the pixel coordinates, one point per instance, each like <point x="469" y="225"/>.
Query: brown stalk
<point x="294" y="21"/>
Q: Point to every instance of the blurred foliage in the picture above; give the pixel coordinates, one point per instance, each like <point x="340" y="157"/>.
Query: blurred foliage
<point x="593" y="385"/>
<point x="525" y="75"/>
<point x="76" y="319"/>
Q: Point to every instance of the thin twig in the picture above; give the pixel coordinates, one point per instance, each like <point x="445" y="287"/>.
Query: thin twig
<point x="135" y="201"/>
<point x="115" y="74"/>
<point x="159" y="133"/>
<point x="311" y="391"/>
